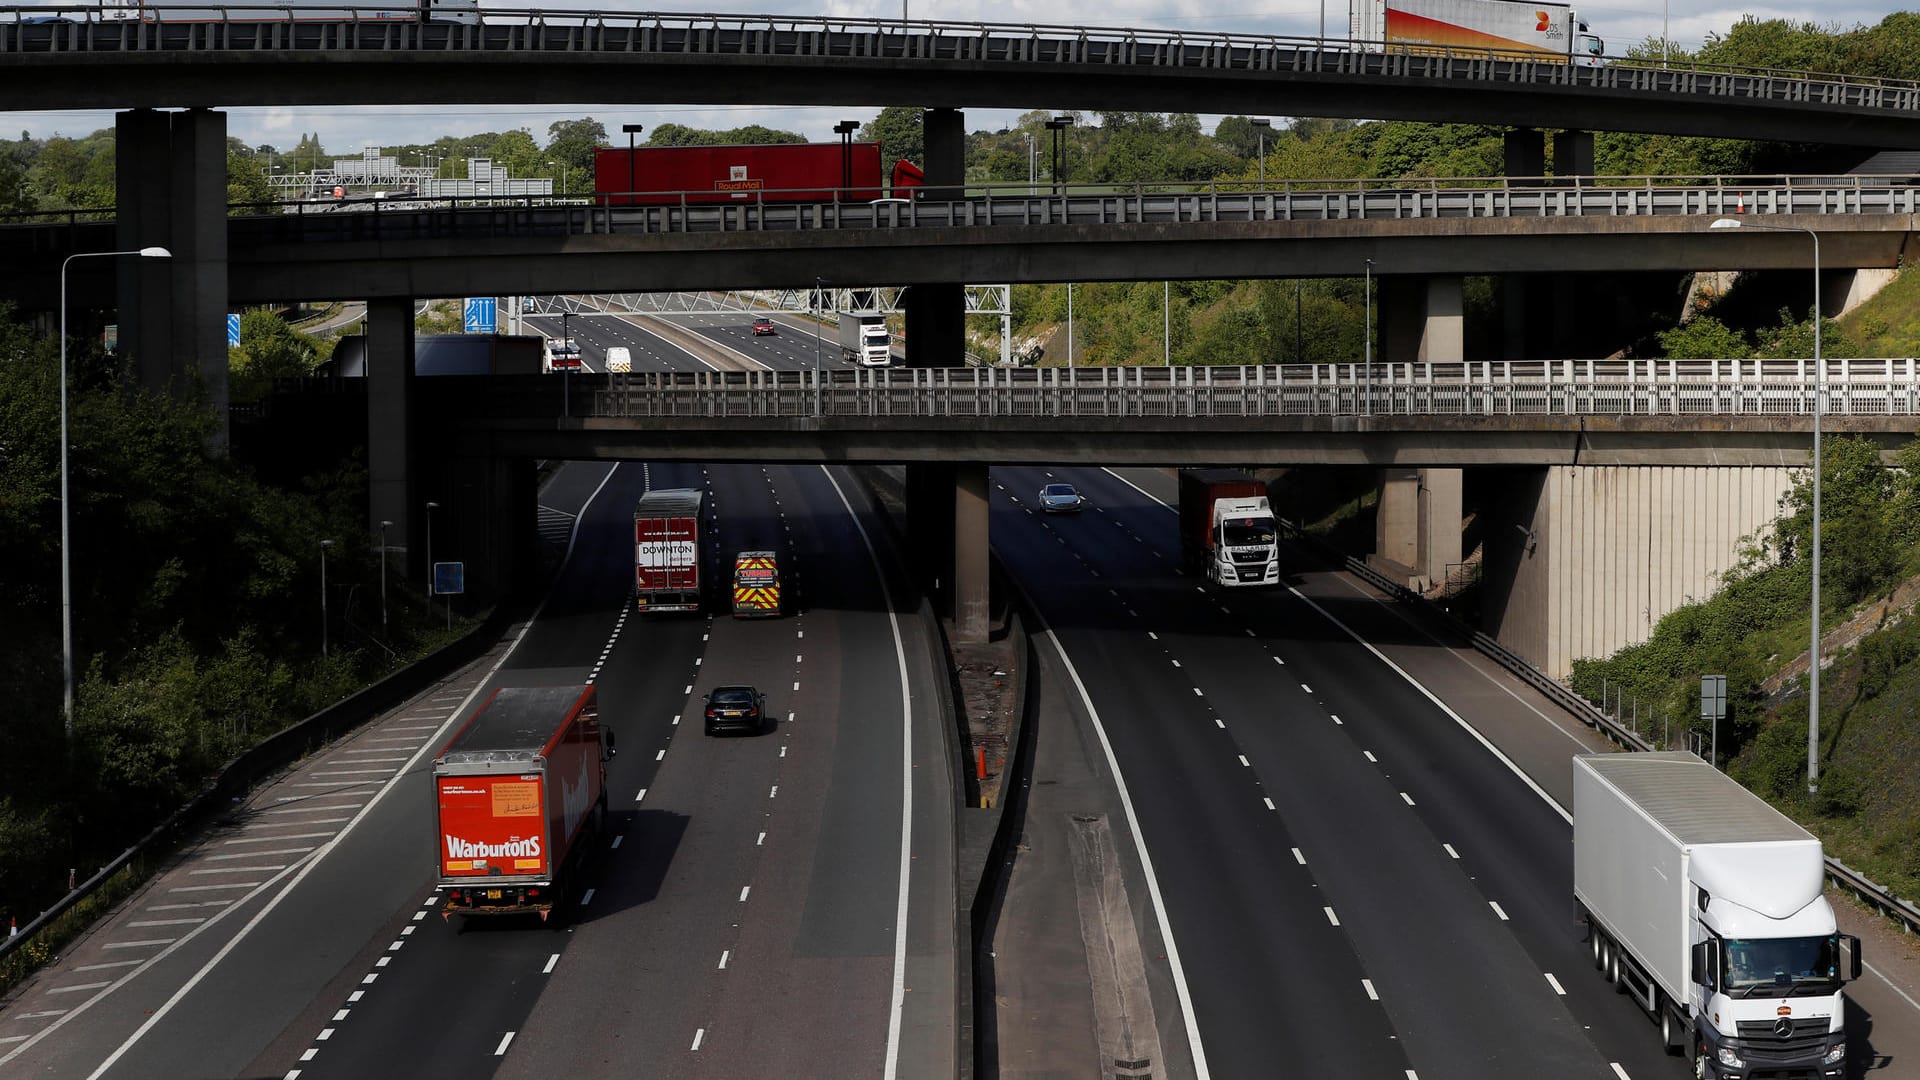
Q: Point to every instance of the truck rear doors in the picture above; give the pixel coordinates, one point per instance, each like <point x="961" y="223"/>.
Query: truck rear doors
<point x="756" y="585"/>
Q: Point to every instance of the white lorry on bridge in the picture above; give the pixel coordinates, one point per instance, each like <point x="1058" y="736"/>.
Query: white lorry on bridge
<point x="1706" y="906"/>
<point x="1545" y="32"/>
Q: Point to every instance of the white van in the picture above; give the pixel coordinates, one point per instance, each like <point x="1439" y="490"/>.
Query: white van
<point x="619" y="358"/>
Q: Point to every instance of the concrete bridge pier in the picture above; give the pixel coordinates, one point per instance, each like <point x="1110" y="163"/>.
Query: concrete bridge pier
<point x="1422" y="319"/>
<point x="170" y="190"/>
<point x="392" y="493"/>
<point x="947" y="504"/>
<point x="1417" y="525"/>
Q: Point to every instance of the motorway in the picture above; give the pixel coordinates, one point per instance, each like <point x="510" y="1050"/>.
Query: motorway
<point x="791" y="347"/>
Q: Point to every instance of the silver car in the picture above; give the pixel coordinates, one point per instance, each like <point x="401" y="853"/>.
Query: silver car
<point x="1061" y="499"/>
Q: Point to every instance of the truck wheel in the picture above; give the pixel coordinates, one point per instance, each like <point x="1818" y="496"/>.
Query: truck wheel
<point x="1673" y="1033"/>
<point x="1599" y="955"/>
<point x="1614" y="974"/>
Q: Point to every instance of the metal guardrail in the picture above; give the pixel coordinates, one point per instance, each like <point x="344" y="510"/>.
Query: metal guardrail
<point x="1865" y="889"/>
<point x="91" y="28"/>
<point x="1718" y="388"/>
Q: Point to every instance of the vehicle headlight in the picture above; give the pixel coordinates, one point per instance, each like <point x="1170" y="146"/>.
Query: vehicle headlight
<point x="1836" y="1054"/>
<point x="1727" y="1057"/>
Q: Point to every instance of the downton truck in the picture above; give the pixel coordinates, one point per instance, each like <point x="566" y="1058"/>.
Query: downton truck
<point x="519" y="788"/>
<point x="1227" y="530"/>
<point x="864" y="339"/>
<point x="1706" y="906"/>
<point x="1546" y="32"/>
<point x="666" y="550"/>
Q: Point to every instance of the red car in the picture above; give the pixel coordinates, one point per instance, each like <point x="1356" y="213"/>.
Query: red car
<point x="762" y="325"/>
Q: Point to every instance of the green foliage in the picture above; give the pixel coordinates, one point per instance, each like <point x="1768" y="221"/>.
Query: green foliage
<point x="751" y="135"/>
<point x="269" y="349"/>
<point x="897" y="129"/>
<point x="1704" y="337"/>
<point x="573" y="142"/>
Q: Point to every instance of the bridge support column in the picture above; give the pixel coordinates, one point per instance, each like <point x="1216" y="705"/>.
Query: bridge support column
<point x="931" y="528"/>
<point x="1524" y="152"/>
<point x="170" y="180"/>
<point x="390" y="464"/>
<point x="488" y="522"/>
<point x="971" y="599"/>
<point x="1422" y="320"/>
<point x="1573" y="153"/>
<point x="1417" y="524"/>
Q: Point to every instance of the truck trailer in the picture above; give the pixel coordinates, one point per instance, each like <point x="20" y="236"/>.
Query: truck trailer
<point x="778" y="172"/>
<point x="519" y="788"/>
<point x="465" y="12"/>
<point x="667" y="550"/>
<point x="1227" y="529"/>
<point x="1706" y="906"/>
<point x="1546" y="32"/>
<point x="864" y="339"/>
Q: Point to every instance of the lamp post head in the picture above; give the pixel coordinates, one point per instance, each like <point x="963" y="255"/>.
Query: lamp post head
<point x="386" y="524"/>
<point x="1260" y="122"/>
<point x="155" y="253"/>
<point x="433" y="506"/>
<point x="846" y="127"/>
<point x="633" y="129"/>
<point x="325" y="544"/>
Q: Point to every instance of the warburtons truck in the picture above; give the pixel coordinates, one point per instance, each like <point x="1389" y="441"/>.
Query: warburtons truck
<point x="520" y="787"/>
<point x="1547" y="32"/>
<point x="666" y="550"/>
<point x="1227" y="530"/>
<point x="864" y="339"/>
<point x="1706" y="905"/>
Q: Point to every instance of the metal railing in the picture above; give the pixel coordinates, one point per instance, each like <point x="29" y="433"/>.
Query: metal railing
<point x="1717" y="388"/>
<point x="92" y="28"/>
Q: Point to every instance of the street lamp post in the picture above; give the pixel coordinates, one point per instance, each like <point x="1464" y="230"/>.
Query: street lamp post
<point x="324" y="545"/>
<point x="1368" y="375"/>
<point x="1029" y="136"/>
<point x="431" y="507"/>
<point x="66" y="505"/>
<point x="818" y="286"/>
<point x="1819" y="393"/>
<point x="383" y="577"/>
<point x="631" y="130"/>
<point x="845" y="130"/>
<point x="1166" y="323"/>
<point x="1059" y="125"/>
<point x="1069" y="324"/>
<point x="566" y="369"/>
<point x="1263" y="125"/>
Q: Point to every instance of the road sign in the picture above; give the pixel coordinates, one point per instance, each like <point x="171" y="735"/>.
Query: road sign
<point x="1713" y="709"/>
<point x="449" y="578"/>
<point x="480" y="314"/>
<point x="233" y="331"/>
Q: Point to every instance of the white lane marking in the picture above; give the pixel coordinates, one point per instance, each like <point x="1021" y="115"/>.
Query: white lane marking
<point x="501" y="1050"/>
<point x="1450" y="850"/>
<point x="418" y="915"/>
<point x="407" y="931"/>
<point x="1197" y="693"/>
<point x="896" y="1010"/>
<point x="342" y="1015"/>
<point x="642" y="795"/>
<point x="1497" y="910"/>
<point x="1438" y="704"/>
<point x="292" y="879"/>
<point x="1279" y="661"/>
<point x="325" y="1034"/>
<point x="108" y="964"/>
<point x="774" y="793"/>
<point x="616" y="841"/>
<point x="1555" y="983"/>
<point x="1185" y="995"/>
<point x="1618" y="1071"/>
<point x="79" y="987"/>
<point x="1219" y="723"/>
<point x="1370" y="756"/>
<point x="354" y="998"/>
<point x="1244" y="763"/>
<point x="660" y="756"/>
<point x="1331" y="917"/>
<point x="212" y="888"/>
<point x="1176" y="663"/>
<point x="1336" y="719"/>
<point x="1299" y="857"/>
<point x="1269" y="803"/>
<point x="698" y="1036"/>
<point x="368" y="981"/>
<point x="312" y="1052"/>
<point x="1407" y="797"/>
<point x="761" y="841"/>
<point x="1150" y="634"/>
<point x="263" y="854"/>
<point x="796" y="684"/>
<point x="724" y="953"/>
<point x="744" y="890"/>
<point x="383" y="961"/>
<point x="1305" y="688"/>
<point x="240" y="869"/>
<point x="289" y="836"/>
<point x="146" y="944"/>
<point x="1367" y="985"/>
<point x="587" y="898"/>
<point x="166" y="922"/>
<point x="315" y="808"/>
<point x="552" y="961"/>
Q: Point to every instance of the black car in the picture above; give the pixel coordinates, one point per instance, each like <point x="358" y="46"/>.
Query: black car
<point x="736" y="708"/>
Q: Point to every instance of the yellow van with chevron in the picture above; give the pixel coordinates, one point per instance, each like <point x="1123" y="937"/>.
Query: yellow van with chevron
<point x="756" y="585"/>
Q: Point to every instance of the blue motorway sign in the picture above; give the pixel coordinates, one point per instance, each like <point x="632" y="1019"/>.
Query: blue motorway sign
<point x="233" y="331"/>
<point x="449" y="578"/>
<point x="480" y="314"/>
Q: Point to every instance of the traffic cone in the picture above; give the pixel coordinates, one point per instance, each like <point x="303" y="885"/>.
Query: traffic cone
<point x="1740" y="207"/>
<point x="13" y="926"/>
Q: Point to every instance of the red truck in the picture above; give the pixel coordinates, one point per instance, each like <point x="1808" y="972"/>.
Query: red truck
<point x="520" y="787"/>
<point x="780" y="172"/>
<point x="667" y="550"/>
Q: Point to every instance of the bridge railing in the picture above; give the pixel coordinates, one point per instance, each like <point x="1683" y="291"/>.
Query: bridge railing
<point x="350" y="27"/>
<point x="1880" y="387"/>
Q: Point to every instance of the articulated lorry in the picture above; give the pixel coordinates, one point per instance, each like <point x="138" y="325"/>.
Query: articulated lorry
<point x="777" y="172"/>
<point x="1545" y="32"/>
<point x="520" y="788"/>
<point x="667" y="550"/>
<point x="1227" y="529"/>
<point x="864" y="339"/>
<point x="451" y="11"/>
<point x="1706" y="906"/>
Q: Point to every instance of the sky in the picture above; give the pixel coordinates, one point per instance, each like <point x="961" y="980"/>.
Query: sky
<point x="347" y="131"/>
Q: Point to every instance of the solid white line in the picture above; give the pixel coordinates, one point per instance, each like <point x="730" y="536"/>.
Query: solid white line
<point x="501" y="1050"/>
<point x="1438" y="704"/>
<point x="1497" y="910"/>
<point x="1367" y="985"/>
<point x="551" y="962"/>
<point x="697" y="1037"/>
<point x="1146" y="863"/>
<point x="309" y="863"/>
<point x="79" y="987"/>
<point x="1618" y="1071"/>
<point x="1555" y="983"/>
<point x="896" y="1010"/>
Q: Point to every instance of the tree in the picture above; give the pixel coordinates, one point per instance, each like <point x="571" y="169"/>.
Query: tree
<point x="246" y="180"/>
<point x="1704" y="337"/>
<point x="573" y="142"/>
<point x="898" y="131"/>
<point x="269" y="349"/>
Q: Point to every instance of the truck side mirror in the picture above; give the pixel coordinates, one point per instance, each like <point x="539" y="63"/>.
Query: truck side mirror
<point x="1703" y="964"/>
<point x="1850" y="947"/>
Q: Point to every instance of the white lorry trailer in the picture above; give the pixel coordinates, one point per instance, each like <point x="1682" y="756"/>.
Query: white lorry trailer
<point x="864" y="339"/>
<point x="1547" y="32"/>
<point x="1705" y="904"/>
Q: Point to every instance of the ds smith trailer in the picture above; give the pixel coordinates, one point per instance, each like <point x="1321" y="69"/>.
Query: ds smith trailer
<point x="1705" y="904"/>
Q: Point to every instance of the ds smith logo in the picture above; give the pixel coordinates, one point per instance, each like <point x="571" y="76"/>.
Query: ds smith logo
<point x="514" y="849"/>
<point x="1544" y="21"/>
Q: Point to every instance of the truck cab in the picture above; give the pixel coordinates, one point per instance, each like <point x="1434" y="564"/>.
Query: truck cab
<point x="1245" y="543"/>
<point x="756" y="585"/>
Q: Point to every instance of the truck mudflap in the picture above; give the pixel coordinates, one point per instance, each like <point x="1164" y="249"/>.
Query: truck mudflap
<point x="502" y="899"/>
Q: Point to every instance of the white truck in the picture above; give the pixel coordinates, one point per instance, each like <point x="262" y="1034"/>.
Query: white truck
<point x="864" y="339"/>
<point x="466" y="12"/>
<point x="1227" y="530"/>
<point x="1706" y="905"/>
<point x="1547" y="32"/>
